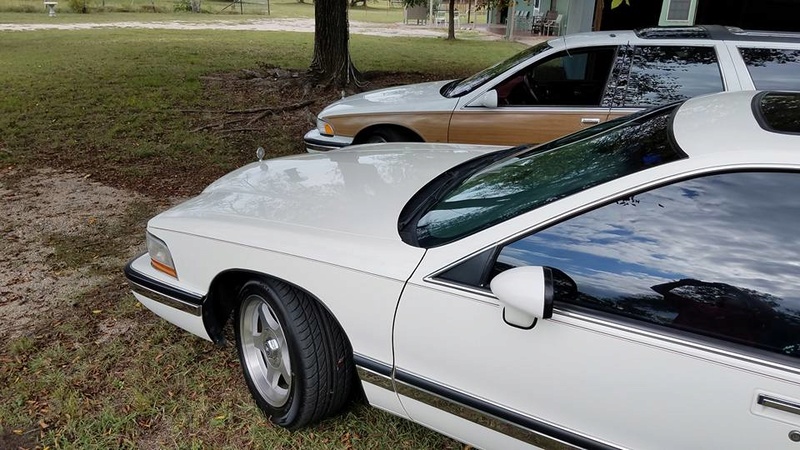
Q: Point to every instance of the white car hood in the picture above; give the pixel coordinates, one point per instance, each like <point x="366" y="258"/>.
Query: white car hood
<point x="353" y="193"/>
<point x="410" y="97"/>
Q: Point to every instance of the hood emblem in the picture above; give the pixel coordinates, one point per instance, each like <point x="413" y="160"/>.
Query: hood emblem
<point x="260" y="153"/>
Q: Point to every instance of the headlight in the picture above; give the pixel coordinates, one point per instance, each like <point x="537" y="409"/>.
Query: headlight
<point x="325" y="128"/>
<point x="160" y="257"/>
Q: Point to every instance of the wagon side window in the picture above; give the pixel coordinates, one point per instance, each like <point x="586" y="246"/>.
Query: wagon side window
<point x="773" y="69"/>
<point x="665" y="74"/>
<point x="574" y="78"/>
<point x="715" y="257"/>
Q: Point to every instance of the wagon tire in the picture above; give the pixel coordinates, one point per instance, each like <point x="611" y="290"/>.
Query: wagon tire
<point x="381" y="135"/>
<point x="296" y="360"/>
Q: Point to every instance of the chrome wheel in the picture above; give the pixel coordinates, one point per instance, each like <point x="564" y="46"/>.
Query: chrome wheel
<point x="265" y="351"/>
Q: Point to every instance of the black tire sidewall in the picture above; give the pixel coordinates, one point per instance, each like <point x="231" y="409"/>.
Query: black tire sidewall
<point x="286" y="414"/>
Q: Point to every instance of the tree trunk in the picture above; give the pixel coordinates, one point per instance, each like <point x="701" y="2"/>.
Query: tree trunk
<point x="331" y="63"/>
<point x="451" y="27"/>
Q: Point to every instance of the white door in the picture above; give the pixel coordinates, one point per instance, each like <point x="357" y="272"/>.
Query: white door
<point x="677" y="326"/>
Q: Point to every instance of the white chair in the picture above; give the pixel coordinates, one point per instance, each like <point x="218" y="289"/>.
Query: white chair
<point x="554" y="25"/>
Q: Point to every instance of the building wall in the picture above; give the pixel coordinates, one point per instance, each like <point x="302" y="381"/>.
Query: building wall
<point x="778" y="15"/>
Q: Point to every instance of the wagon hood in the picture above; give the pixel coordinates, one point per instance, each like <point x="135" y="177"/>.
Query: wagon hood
<point x="347" y="194"/>
<point x="410" y="97"/>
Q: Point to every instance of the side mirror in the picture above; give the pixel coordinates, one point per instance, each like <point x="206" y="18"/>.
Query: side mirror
<point x="526" y="294"/>
<point x="488" y="99"/>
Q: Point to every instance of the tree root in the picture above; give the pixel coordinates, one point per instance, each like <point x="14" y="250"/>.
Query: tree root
<point x="256" y="114"/>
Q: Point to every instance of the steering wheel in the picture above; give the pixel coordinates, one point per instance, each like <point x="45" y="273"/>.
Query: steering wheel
<point x="530" y="85"/>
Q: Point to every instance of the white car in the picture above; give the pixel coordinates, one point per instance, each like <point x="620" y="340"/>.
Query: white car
<point x="636" y="285"/>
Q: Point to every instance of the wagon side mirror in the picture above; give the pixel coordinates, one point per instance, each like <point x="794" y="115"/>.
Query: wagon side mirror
<point x="526" y="295"/>
<point x="488" y="99"/>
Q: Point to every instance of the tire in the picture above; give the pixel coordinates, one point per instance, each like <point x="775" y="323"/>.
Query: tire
<point x="296" y="360"/>
<point x="381" y="135"/>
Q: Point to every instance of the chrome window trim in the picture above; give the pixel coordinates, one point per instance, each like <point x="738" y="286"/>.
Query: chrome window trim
<point x="640" y="331"/>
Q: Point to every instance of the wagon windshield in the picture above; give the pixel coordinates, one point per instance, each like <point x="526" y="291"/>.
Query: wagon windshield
<point x="528" y="179"/>
<point x="460" y="87"/>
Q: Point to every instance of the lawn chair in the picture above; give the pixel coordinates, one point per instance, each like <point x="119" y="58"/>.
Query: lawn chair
<point x="554" y="25"/>
<point x="523" y="20"/>
<point x="541" y="23"/>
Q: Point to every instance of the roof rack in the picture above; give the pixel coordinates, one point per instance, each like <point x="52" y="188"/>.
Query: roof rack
<point x="673" y="33"/>
<point x="718" y="32"/>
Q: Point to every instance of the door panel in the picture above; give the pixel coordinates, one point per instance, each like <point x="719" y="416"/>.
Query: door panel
<point x="594" y="380"/>
<point x="516" y="125"/>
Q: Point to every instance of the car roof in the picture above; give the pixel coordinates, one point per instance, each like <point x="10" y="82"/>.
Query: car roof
<point x="732" y="126"/>
<point x="699" y="34"/>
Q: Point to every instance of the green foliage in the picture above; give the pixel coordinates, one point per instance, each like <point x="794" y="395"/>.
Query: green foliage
<point x="183" y="6"/>
<point x="78" y="6"/>
<point x="618" y="3"/>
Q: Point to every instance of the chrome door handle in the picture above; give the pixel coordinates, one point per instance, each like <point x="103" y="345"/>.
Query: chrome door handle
<point x="776" y="403"/>
<point x="590" y="120"/>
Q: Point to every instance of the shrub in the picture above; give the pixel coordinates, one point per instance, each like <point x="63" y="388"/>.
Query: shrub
<point x="78" y="6"/>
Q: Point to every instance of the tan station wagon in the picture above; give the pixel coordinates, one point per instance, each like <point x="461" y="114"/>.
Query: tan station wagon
<point x="563" y="85"/>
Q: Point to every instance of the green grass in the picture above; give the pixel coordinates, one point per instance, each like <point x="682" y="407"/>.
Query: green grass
<point x="112" y="100"/>
<point x="154" y="386"/>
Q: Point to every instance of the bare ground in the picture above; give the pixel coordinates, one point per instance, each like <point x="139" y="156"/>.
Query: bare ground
<point x="39" y="208"/>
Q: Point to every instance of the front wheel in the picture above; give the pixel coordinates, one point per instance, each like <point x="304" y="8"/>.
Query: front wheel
<point x="296" y="360"/>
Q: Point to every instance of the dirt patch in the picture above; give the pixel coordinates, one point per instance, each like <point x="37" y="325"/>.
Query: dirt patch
<point x="34" y="283"/>
<point x="16" y="439"/>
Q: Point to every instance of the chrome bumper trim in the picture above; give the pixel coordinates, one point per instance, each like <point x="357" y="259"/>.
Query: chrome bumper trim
<point x="172" y="302"/>
<point x="159" y="292"/>
<point x="315" y="142"/>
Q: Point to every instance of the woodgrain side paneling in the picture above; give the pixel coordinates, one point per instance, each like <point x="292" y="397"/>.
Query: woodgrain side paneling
<point x="508" y="127"/>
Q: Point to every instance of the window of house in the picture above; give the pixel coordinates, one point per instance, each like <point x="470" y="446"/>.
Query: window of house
<point x="666" y="74"/>
<point x="775" y="69"/>
<point x="717" y="256"/>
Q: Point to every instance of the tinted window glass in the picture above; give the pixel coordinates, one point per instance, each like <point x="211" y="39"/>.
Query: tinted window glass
<point x="576" y="78"/>
<point x="717" y="256"/>
<point x="773" y="68"/>
<point x="779" y="111"/>
<point x="662" y="74"/>
<point x="527" y="180"/>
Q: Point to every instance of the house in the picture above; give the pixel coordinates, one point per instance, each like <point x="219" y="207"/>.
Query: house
<point x="589" y="15"/>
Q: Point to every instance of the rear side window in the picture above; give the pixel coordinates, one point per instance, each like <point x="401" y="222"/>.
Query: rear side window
<point x="775" y="69"/>
<point x="664" y="74"/>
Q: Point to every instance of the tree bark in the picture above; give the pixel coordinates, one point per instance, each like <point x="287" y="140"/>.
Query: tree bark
<point x="331" y="63"/>
<point x="451" y="27"/>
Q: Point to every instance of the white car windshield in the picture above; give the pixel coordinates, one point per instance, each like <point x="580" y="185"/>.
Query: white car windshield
<point x="529" y="179"/>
